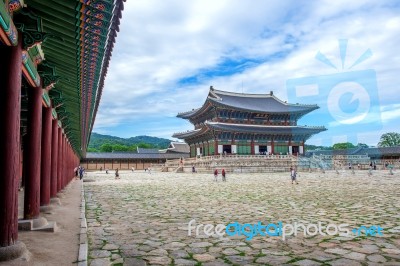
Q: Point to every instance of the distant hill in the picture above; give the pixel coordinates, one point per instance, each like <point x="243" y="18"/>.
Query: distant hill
<point x="97" y="140"/>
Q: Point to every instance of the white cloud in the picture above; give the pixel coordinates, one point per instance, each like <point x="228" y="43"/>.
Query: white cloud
<point x="164" y="42"/>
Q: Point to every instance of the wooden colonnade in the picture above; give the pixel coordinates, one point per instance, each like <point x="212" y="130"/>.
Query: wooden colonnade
<point x="48" y="157"/>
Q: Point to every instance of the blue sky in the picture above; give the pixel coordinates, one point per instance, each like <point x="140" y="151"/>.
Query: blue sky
<point x="168" y="53"/>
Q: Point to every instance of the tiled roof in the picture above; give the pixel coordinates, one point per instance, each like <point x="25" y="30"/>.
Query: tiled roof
<point x="382" y="151"/>
<point x="179" y="147"/>
<point x="258" y="102"/>
<point x="264" y="129"/>
<point x="244" y="128"/>
<point x="144" y="150"/>
<point x="262" y="103"/>
<point x="373" y="152"/>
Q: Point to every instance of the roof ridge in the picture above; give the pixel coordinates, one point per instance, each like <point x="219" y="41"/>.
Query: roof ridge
<point x="258" y="95"/>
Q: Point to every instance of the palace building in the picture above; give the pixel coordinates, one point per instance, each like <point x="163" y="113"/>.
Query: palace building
<point x="245" y="124"/>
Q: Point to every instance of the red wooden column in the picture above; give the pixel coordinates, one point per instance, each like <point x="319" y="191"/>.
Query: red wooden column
<point x="272" y="145"/>
<point x="45" y="167"/>
<point x="63" y="162"/>
<point x="10" y="108"/>
<point x="69" y="176"/>
<point x="33" y="154"/>
<point x="66" y="161"/>
<point x="54" y="159"/>
<point x="59" y="164"/>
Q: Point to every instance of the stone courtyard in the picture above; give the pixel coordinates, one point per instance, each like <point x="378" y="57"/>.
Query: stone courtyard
<point x="142" y="218"/>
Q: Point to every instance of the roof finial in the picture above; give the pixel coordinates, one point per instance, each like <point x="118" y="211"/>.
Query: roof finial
<point x="211" y="88"/>
<point x="271" y="93"/>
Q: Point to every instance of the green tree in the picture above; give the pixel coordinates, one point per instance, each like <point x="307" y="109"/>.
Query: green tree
<point x="119" y="147"/>
<point x="389" y="140"/>
<point x="106" y="147"/>
<point x="145" y="145"/>
<point x="343" y="146"/>
<point x="92" y="150"/>
<point x="132" y="148"/>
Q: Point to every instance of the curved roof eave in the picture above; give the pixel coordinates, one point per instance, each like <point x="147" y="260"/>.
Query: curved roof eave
<point x="264" y="128"/>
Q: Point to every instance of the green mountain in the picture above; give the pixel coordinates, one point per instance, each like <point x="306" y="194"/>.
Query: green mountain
<point x="98" y="140"/>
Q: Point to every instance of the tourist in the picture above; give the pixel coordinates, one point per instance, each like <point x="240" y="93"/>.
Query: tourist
<point x="293" y="174"/>
<point x="133" y="169"/>
<point x="223" y="175"/>
<point x="81" y="171"/>
<point x="116" y="174"/>
<point x="149" y="170"/>
<point x="216" y="175"/>
<point x="76" y="170"/>
<point x="374" y="165"/>
<point x="193" y="169"/>
<point x="106" y="170"/>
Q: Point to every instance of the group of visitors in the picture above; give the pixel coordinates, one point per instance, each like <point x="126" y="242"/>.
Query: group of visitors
<point x="223" y="173"/>
<point x="79" y="170"/>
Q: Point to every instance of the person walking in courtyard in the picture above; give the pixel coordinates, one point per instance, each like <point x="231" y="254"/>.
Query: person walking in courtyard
<point x="223" y="175"/>
<point x="216" y="175"/>
<point x="116" y="174"/>
<point x="81" y="170"/>
<point x="76" y="170"/>
<point x="193" y="169"/>
<point x="293" y="174"/>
